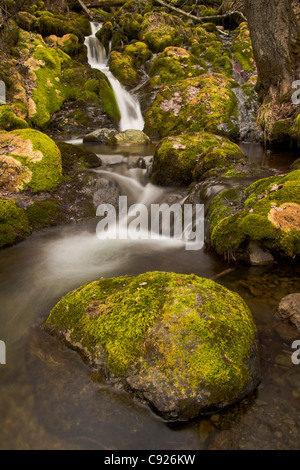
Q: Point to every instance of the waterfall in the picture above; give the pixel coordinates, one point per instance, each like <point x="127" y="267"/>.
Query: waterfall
<point x="131" y="115"/>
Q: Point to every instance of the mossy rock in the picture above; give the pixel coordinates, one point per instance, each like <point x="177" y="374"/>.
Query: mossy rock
<point x="105" y="34"/>
<point x="14" y="225"/>
<point x="75" y="158"/>
<point x="9" y="121"/>
<point x="194" y="104"/>
<point x="37" y="154"/>
<point x="122" y="67"/>
<point x="160" y="30"/>
<point x="242" y="48"/>
<point x="267" y="213"/>
<point x="139" y="52"/>
<point x="185" y="158"/>
<point x="174" y="64"/>
<point x="206" y="44"/>
<point x="185" y="345"/>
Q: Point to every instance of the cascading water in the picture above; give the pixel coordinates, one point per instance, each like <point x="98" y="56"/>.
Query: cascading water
<point x="131" y="115"/>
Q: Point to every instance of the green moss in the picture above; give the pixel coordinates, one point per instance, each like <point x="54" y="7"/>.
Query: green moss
<point x="242" y="48"/>
<point x="47" y="172"/>
<point x="14" y="225"/>
<point x="180" y="160"/>
<point x="160" y="30"/>
<point x="202" y="103"/>
<point x="43" y="214"/>
<point x="9" y="121"/>
<point x="232" y="228"/>
<point x="139" y="52"/>
<point x="122" y="67"/>
<point x="124" y="318"/>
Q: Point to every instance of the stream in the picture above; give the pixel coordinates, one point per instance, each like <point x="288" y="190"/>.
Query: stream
<point x="50" y="399"/>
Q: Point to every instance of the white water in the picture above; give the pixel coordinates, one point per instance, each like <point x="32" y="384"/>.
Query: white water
<point x="131" y="115"/>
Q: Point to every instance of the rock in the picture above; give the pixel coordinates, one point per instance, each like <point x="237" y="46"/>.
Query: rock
<point x="194" y="104"/>
<point x="184" y="345"/>
<point x="29" y="158"/>
<point x="99" y="135"/>
<point x="130" y="137"/>
<point x="14" y="225"/>
<point x="259" y="257"/>
<point x="266" y="213"/>
<point x="192" y="156"/>
<point x="289" y="308"/>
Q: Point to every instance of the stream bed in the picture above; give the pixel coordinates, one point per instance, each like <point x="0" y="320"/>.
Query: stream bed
<point x="49" y="396"/>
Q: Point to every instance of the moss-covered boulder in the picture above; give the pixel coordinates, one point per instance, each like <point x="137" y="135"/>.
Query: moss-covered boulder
<point x="122" y="67"/>
<point x="29" y="159"/>
<point x="183" y="344"/>
<point x="266" y="213"/>
<point x="202" y="103"/>
<point x="174" y="64"/>
<point x="207" y="45"/>
<point x="160" y="30"/>
<point x="185" y="158"/>
<point x="14" y="225"/>
<point x="9" y="119"/>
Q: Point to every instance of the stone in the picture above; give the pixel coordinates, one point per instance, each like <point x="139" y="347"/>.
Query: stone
<point x="130" y="137"/>
<point x="289" y="308"/>
<point x="186" y="346"/>
<point x="99" y="135"/>
<point x="259" y="257"/>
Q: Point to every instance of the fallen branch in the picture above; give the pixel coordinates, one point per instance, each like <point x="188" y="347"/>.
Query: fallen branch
<point x="236" y="15"/>
<point x="85" y="8"/>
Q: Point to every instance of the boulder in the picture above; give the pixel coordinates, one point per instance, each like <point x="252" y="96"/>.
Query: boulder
<point x="29" y="158"/>
<point x="130" y="137"/>
<point x="266" y="213"/>
<point x="289" y="308"/>
<point x="184" y="345"/>
<point x="99" y="135"/>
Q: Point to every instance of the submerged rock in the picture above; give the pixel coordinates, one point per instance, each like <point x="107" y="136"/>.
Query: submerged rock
<point x="183" y="344"/>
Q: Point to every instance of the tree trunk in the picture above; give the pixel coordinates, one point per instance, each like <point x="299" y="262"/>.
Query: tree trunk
<point x="274" y="31"/>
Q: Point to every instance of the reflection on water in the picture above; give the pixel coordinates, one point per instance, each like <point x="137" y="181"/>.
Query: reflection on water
<point x="49" y="398"/>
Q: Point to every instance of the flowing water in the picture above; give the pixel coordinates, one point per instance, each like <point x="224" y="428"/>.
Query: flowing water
<point x="131" y="116"/>
<point x="49" y="398"/>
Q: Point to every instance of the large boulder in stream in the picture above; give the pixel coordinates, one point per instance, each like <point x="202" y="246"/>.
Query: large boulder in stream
<point x="182" y="159"/>
<point x="184" y="345"/>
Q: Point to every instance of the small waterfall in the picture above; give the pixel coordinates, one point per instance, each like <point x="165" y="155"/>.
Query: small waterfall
<point x="131" y="115"/>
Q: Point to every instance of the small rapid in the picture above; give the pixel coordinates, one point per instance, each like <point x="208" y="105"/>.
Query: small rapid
<point x="131" y="115"/>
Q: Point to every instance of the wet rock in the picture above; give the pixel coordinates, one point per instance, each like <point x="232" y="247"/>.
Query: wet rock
<point x="259" y="257"/>
<point x="182" y="344"/>
<point x="130" y="137"/>
<point x="99" y="135"/>
<point x="289" y="308"/>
